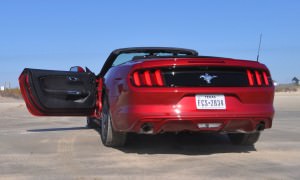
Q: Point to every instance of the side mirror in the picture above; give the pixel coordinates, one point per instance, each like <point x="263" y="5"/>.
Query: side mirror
<point x="77" y="69"/>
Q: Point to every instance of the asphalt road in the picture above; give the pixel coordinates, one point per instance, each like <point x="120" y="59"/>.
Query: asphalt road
<point x="63" y="148"/>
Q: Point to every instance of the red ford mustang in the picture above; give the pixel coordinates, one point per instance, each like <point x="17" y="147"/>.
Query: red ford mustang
<point x="155" y="90"/>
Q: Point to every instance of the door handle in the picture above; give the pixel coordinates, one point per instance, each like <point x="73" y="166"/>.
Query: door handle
<point x="74" y="93"/>
<point x="67" y="93"/>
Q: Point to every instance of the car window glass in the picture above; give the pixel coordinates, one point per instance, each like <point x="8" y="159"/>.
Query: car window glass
<point x="125" y="57"/>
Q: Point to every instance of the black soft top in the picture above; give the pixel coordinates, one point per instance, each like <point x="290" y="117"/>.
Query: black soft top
<point x="151" y="50"/>
<point x="190" y="52"/>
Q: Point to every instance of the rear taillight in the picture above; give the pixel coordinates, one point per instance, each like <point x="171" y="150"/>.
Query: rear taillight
<point x="250" y="78"/>
<point x="158" y="78"/>
<point x="258" y="78"/>
<point x="136" y="79"/>
<point x="266" y="78"/>
<point x="148" y="78"/>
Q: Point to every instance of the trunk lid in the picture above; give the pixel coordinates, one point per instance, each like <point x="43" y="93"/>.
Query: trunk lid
<point x="200" y="72"/>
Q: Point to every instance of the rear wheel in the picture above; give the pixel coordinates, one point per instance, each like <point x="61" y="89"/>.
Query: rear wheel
<point x="244" y="138"/>
<point x="109" y="136"/>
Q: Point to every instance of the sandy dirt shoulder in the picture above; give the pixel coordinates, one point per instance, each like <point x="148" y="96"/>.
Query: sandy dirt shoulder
<point x="63" y="148"/>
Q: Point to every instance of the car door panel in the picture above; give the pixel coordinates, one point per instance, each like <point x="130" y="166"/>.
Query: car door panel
<point x="58" y="93"/>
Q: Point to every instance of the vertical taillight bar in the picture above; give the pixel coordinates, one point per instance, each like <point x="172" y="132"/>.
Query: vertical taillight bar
<point x="136" y="79"/>
<point x="258" y="78"/>
<point x="158" y="78"/>
<point x="266" y="78"/>
<point x="250" y="78"/>
<point x="148" y="78"/>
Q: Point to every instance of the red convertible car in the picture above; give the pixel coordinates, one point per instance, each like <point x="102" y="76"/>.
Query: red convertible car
<point x="155" y="90"/>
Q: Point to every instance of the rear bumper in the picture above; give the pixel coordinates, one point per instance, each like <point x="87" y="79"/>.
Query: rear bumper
<point x="201" y="125"/>
<point x="174" y="111"/>
<point x="173" y="119"/>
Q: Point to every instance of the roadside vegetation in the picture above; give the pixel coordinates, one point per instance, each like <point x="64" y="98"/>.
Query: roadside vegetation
<point x="16" y="93"/>
<point x="13" y="93"/>
<point x="287" y="88"/>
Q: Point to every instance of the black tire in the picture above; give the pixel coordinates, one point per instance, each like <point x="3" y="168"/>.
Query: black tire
<point x="90" y="123"/>
<point x="109" y="136"/>
<point x="244" y="138"/>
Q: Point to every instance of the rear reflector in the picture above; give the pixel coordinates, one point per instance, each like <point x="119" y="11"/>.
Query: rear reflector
<point x="209" y="125"/>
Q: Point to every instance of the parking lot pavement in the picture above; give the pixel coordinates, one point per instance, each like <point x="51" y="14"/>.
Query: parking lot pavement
<point x="63" y="148"/>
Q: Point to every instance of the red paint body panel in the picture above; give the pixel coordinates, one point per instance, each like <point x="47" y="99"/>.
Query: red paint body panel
<point x="174" y="108"/>
<point x="31" y="105"/>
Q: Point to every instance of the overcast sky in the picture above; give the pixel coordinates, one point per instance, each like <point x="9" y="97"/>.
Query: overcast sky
<point x="57" y="34"/>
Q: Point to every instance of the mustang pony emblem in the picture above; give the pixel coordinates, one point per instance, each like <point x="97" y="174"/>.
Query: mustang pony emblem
<point x="208" y="77"/>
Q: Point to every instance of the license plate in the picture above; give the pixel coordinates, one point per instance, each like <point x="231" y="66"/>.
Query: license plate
<point x="210" y="101"/>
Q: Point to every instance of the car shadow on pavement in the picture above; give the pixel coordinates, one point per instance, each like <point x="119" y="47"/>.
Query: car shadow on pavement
<point x="183" y="143"/>
<point x="57" y="129"/>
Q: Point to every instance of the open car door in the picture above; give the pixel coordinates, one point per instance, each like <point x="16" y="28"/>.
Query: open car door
<point x="58" y="93"/>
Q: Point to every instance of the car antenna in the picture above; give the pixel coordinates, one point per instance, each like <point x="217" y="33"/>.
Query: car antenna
<point x="258" y="52"/>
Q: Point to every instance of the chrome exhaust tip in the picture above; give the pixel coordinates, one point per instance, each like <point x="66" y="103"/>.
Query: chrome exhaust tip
<point x="260" y="126"/>
<point x="146" y="128"/>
